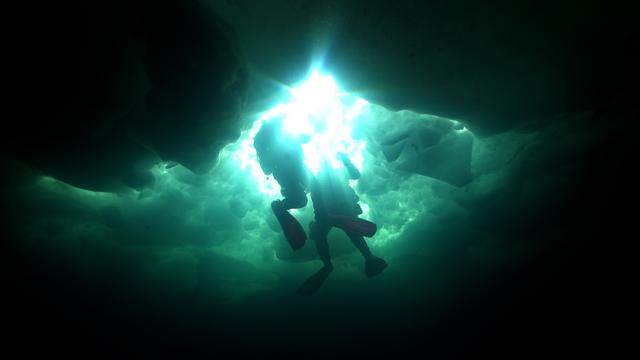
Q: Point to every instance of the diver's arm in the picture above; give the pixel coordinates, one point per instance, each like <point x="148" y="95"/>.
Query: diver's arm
<point x="354" y="173"/>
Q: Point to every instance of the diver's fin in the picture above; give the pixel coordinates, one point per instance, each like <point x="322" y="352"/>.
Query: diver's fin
<point x="293" y="231"/>
<point x="315" y="281"/>
<point x="374" y="266"/>
<point x="359" y="226"/>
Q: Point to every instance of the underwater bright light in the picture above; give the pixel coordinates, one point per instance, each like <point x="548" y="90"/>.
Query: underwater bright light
<point x="318" y="110"/>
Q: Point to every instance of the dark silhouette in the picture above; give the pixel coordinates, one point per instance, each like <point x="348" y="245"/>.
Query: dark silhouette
<point x="280" y="154"/>
<point x="335" y="204"/>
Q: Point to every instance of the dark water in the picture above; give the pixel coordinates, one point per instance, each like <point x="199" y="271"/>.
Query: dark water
<point x="522" y="249"/>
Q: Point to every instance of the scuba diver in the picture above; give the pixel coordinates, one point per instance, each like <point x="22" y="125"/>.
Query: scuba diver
<point x="281" y="154"/>
<point x="335" y="204"/>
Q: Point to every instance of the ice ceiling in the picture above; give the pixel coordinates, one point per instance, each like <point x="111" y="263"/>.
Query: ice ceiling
<point x="410" y="164"/>
<point x="336" y="121"/>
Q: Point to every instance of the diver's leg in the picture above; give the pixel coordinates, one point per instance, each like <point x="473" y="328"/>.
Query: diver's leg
<point x="318" y="231"/>
<point x="359" y="242"/>
<point x="294" y="197"/>
<point x="292" y="229"/>
<point x="373" y="265"/>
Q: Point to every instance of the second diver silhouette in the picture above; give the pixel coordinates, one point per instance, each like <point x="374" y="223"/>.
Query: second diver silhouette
<point x="335" y="204"/>
<point x="281" y="154"/>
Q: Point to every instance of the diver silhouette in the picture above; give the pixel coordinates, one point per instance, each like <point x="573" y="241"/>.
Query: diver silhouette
<point x="335" y="204"/>
<point x="280" y="154"/>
